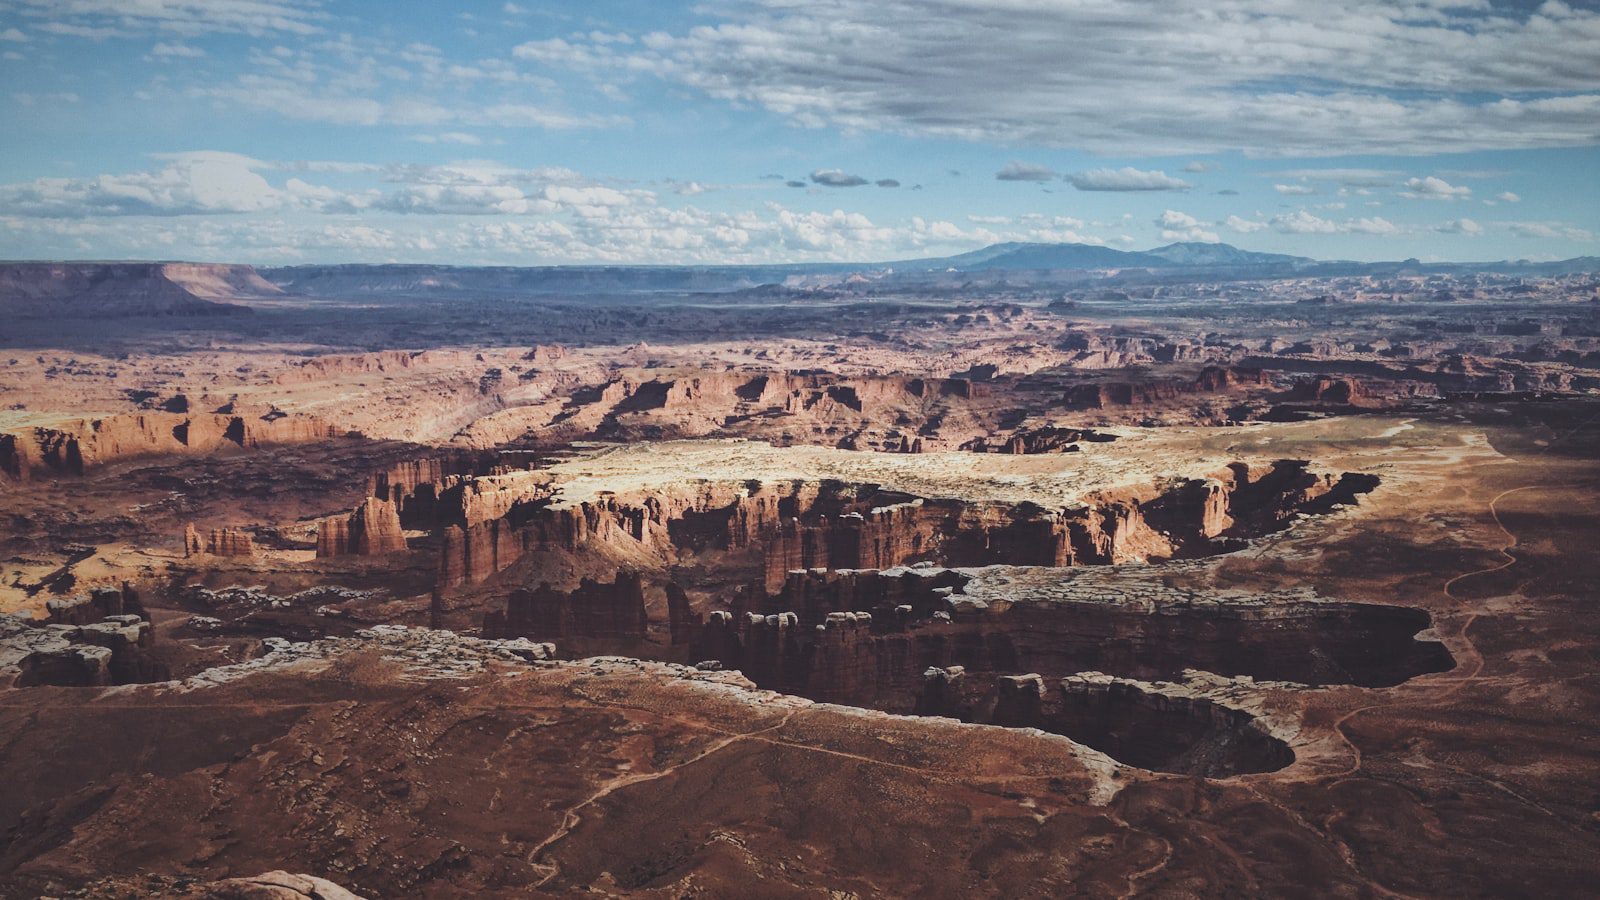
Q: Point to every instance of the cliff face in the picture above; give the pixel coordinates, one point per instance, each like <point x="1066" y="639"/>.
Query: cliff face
<point x="614" y="611"/>
<point x="1211" y="380"/>
<point x="831" y="525"/>
<point x="908" y="641"/>
<point x="72" y="289"/>
<point x="371" y="530"/>
<point x="880" y="412"/>
<point x="72" y="447"/>
<point x="218" y="542"/>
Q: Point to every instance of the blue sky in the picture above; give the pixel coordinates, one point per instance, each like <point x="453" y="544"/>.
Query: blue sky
<point x="282" y="131"/>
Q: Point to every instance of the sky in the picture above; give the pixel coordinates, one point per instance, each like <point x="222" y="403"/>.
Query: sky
<point x="754" y="131"/>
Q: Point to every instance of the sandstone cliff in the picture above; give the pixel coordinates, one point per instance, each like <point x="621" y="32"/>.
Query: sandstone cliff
<point x="69" y="447"/>
<point x="372" y="529"/>
<point x="74" y="289"/>
<point x="218" y="542"/>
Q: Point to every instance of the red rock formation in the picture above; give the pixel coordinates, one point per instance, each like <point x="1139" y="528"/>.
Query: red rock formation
<point x="218" y="542"/>
<point x="70" y="448"/>
<point x="372" y="529"/>
<point x="594" y="610"/>
<point x="833" y="526"/>
<point x="1211" y="380"/>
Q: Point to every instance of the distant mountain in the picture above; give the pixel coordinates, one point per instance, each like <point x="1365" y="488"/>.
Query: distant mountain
<point x="1024" y="256"/>
<point x="112" y="290"/>
<point x="1193" y="253"/>
<point x="1032" y="256"/>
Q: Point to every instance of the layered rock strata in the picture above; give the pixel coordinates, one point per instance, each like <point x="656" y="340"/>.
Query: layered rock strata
<point x="614" y="611"/>
<point x="372" y="529"/>
<point x="834" y="525"/>
<point x="218" y="542"/>
<point x="70" y="447"/>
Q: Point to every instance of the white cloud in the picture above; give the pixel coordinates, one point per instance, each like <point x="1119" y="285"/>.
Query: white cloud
<point x="448" y="137"/>
<point x="1302" y="222"/>
<point x="1459" y="226"/>
<point x="1434" y="188"/>
<point x="1180" y="226"/>
<point x="1126" y="179"/>
<point x="1016" y="170"/>
<point x="203" y="182"/>
<point x="1507" y="197"/>
<point x="114" y="18"/>
<point x="352" y="80"/>
<point x="1550" y="231"/>
<point x="1280" y="77"/>
<point x="1294" y="189"/>
<point x="13" y="35"/>
<point x="1350" y="178"/>
<point x="1245" y="226"/>
<point x="163" y="50"/>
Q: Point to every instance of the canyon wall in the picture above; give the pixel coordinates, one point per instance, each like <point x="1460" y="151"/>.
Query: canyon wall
<point x="494" y="520"/>
<point x="613" y="611"/>
<point x="371" y="530"/>
<point x="218" y="542"/>
<point x="71" y="447"/>
<point x="871" y="638"/>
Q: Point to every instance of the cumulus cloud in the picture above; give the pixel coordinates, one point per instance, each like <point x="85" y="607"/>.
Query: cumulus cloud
<point x="1244" y="226"/>
<point x="189" y="183"/>
<point x="836" y="178"/>
<point x="1434" y="188"/>
<point x="225" y="206"/>
<point x="1280" y="77"/>
<point x="1459" y="226"/>
<point x="1302" y="222"/>
<point x="469" y="200"/>
<point x="1126" y="178"/>
<point x="1180" y="226"/>
<point x="1507" y="197"/>
<point x="1017" y="170"/>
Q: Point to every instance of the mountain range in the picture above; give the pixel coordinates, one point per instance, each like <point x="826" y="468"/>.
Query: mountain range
<point x="34" y="289"/>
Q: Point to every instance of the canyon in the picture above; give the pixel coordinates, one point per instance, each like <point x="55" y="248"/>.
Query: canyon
<point x="412" y="581"/>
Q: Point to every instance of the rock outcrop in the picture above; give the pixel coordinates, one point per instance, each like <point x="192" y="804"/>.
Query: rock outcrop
<point x="372" y="529"/>
<point x="614" y="610"/>
<point x="111" y="290"/>
<point x="72" y="446"/>
<point x="870" y="638"/>
<point x="110" y="651"/>
<point x="1211" y="380"/>
<point x="218" y="542"/>
<point x="832" y="525"/>
<point x="275" y="885"/>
